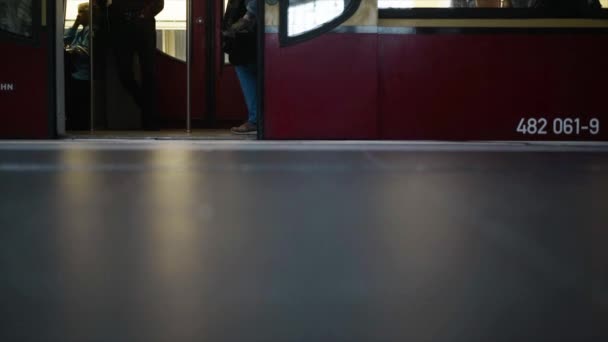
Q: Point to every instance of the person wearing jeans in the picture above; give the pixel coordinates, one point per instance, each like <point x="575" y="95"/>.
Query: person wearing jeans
<point x="248" y="77"/>
<point x="240" y="43"/>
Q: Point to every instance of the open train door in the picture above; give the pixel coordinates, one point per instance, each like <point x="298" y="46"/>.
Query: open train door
<point x="215" y="98"/>
<point x="195" y="88"/>
<point x="320" y="69"/>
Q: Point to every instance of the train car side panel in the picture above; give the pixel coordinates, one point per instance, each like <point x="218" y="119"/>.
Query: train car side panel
<point x="24" y="102"/>
<point x="325" y="88"/>
<point x="493" y="86"/>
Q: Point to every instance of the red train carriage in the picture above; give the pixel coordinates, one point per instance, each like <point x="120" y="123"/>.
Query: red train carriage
<point x="26" y="70"/>
<point x="340" y="69"/>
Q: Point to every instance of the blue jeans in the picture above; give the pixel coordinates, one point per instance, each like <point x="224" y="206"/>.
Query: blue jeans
<point x="248" y="76"/>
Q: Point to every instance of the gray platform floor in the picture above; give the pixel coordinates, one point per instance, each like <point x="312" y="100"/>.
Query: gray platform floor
<point x="257" y="241"/>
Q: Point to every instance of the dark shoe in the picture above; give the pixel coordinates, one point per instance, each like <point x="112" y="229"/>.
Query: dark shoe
<point x="246" y="128"/>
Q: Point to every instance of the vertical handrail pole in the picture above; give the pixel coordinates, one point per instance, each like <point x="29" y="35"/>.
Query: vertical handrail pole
<point x="188" y="64"/>
<point x="91" y="70"/>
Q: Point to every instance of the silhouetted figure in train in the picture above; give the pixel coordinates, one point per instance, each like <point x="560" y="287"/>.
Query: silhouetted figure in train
<point x="133" y="30"/>
<point x="240" y="43"/>
<point x="78" y="71"/>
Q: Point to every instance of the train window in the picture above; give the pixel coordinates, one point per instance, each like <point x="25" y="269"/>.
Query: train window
<point x="480" y="3"/>
<point x="452" y="3"/>
<point x="171" y="29"/>
<point x="492" y="8"/>
<point x="19" y="18"/>
<point x="170" y="26"/>
<point x="305" y="19"/>
<point x="413" y="3"/>
<point x="307" y="15"/>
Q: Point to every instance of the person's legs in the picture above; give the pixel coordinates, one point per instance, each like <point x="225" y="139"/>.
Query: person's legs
<point x="78" y="109"/>
<point x="146" y="50"/>
<point x="247" y="75"/>
<point x="123" y="38"/>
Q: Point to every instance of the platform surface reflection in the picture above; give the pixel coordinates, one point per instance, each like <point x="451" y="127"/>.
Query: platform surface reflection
<point x="252" y="241"/>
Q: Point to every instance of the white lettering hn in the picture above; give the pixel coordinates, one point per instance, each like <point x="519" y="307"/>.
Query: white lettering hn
<point x="7" y="87"/>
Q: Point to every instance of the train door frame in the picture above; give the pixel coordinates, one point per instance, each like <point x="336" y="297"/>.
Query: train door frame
<point x="57" y="68"/>
<point x="27" y="78"/>
<point x="58" y="123"/>
<point x="58" y="112"/>
<point x="261" y="66"/>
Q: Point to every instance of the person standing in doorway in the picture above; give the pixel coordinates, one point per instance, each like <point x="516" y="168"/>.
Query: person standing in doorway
<point x="134" y="34"/>
<point x="240" y="43"/>
<point x="78" y="74"/>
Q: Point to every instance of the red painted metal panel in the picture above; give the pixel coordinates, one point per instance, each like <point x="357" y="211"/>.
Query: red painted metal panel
<point x="172" y="92"/>
<point x="24" y="109"/>
<point x="325" y="88"/>
<point x="171" y="88"/>
<point x="230" y="100"/>
<point x="479" y="87"/>
<point x="230" y="105"/>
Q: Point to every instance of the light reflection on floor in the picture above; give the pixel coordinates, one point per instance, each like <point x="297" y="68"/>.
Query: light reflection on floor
<point x="165" y="134"/>
<point x="257" y="241"/>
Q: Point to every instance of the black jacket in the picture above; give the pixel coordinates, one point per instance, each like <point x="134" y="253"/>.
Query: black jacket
<point x="240" y="45"/>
